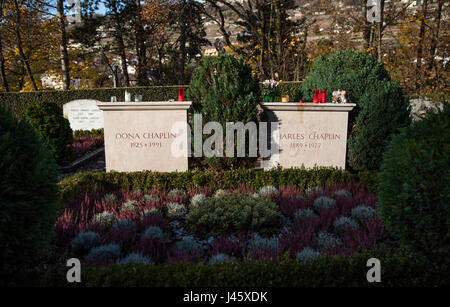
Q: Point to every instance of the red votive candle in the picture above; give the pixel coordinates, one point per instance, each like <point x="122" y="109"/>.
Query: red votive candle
<point x="316" y="96"/>
<point x="302" y="101"/>
<point x="323" y="96"/>
<point x="181" y="94"/>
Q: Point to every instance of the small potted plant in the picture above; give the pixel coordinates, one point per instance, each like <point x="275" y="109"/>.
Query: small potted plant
<point x="270" y="90"/>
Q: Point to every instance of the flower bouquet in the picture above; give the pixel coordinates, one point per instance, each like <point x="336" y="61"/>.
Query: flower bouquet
<point x="270" y="90"/>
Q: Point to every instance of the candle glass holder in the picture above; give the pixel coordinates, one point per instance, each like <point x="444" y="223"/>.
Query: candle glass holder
<point x="323" y="96"/>
<point x="113" y="99"/>
<point x="181" y="94"/>
<point x="285" y="98"/>
<point x="138" y="98"/>
<point x="316" y="96"/>
<point x="127" y="97"/>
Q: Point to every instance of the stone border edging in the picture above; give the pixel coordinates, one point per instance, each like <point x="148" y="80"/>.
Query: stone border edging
<point x="80" y="161"/>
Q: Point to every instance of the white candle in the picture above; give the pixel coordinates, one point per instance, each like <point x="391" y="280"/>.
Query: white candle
<point x="127" y="97"/>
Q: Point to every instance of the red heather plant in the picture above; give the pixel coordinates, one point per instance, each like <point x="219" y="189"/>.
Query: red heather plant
<point x="207" y="191"/>
<point x="242" y="189"/>
<point x="125" y="236"/>
<point x="98" y="262"/>
<point x="178" y="256"/>
<point x="83" y="144"/>
<point x="294" y="241"/>
<point x="156" y="250"/>
<point x="153" y="220"/>
<point x="289" y="206"/>
<point x="265" y="254"/>
<point x="327" y="218"/>
<point x="236" y="246"/>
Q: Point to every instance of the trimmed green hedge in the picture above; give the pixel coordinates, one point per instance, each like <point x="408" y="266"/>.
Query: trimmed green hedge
<point x="297" y="177"/>
<point x="16" y="103"/>
<point x="398" y="268"/>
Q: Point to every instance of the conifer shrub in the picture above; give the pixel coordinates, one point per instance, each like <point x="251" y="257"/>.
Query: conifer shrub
<point x="414" y="190"/>
<point x="384" y="111"/>
<point x="233" y="213"/>
<point x="222" y="90"/>
<point x="48" y="121"/>
<point x="28" y="194"/>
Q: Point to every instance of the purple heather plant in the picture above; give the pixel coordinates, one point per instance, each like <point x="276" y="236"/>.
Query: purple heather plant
<point x="293" y="238"/>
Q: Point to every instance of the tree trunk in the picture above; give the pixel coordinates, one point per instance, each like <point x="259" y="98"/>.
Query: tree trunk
<point x="380" y="33"/>
<point x="182" y="40"/>
<point x="2" y="59"/>
<point x="366" y="27"/>
<point x="65" y="68"/>
<point x="120" y="43"/>
<point x="279" y="39"/>
<point x="2" y="68"/>
<point x="421" y="39"/>
<point x="140" y="47"/>
<point x="434" y="39"/>
<point x="20" y="47"/>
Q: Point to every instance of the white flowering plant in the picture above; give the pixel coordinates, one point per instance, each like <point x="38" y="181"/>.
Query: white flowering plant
<point x="270" y="88"/>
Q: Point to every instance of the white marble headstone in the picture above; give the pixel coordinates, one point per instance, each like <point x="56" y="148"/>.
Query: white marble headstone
<point x="84" y="114"/>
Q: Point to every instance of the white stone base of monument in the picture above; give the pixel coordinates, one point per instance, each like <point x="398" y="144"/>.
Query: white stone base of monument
<point x="309" y="134"/>
<point x="139" y="136"/>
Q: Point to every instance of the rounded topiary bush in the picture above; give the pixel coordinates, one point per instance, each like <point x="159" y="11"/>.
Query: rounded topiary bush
<point x="348" y="70"/>
<point x="222" y="89"/>
<point x="48" y="120"/>
<point x="28" y="194"/>
<point x="233" y="213"/>
<point x="414" y="190"/>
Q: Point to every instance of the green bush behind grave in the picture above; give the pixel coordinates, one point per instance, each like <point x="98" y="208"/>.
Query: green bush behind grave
<point x="224" y="179"/>
<point x="398" y="268"/>
<point x="47" y="119"/>
<point x="223" y="90"/>
<point x="28" y="195"/>
<point x="17" y="103"/>
<point x="414" y="190"/>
